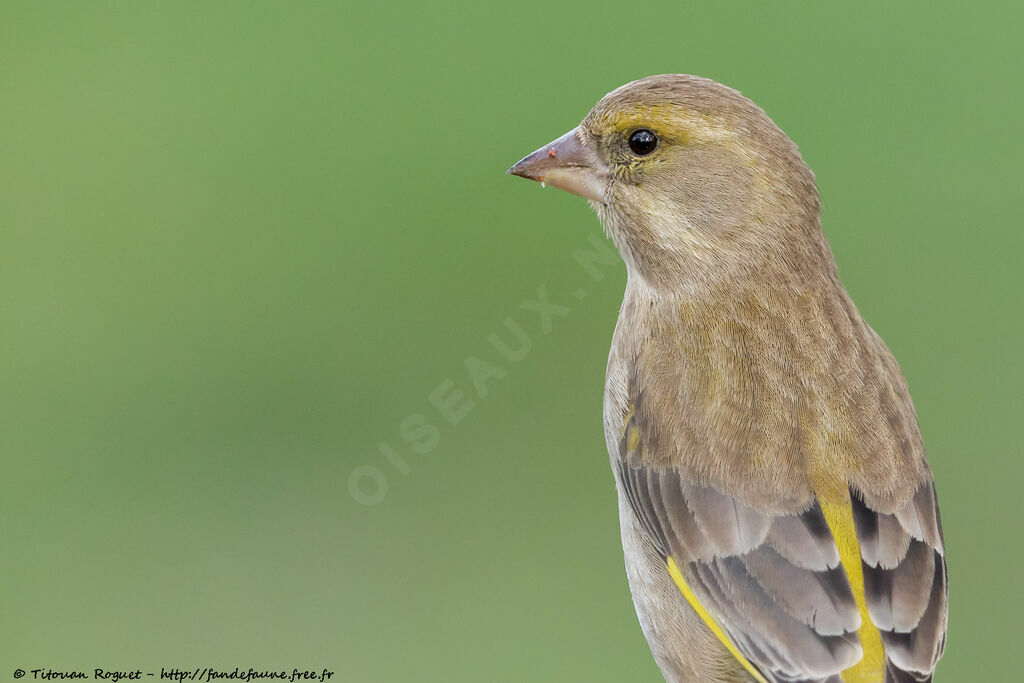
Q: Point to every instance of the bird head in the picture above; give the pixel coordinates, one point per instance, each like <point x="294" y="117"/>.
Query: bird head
<point x="692" y="181"/>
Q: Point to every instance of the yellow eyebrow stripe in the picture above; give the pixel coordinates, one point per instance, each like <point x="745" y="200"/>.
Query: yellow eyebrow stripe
<point x="684" y="588"/>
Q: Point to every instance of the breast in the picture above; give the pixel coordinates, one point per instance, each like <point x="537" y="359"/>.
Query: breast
<point x="751" y="389"/>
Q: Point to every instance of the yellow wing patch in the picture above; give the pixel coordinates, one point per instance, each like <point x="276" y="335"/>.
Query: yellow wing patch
<point x="871" y="667"/>
<point x="709" y="620"/>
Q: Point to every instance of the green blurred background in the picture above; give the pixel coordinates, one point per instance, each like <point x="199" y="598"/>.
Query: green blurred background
<point x="241" y="243"/>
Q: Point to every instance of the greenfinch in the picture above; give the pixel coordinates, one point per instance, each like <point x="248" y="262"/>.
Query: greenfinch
<point x="778" y="515"/>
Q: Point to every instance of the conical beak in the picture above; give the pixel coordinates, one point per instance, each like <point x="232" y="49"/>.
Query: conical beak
<point x="568" y="165"/>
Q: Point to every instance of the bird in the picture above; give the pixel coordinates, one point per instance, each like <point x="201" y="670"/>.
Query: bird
<point x="777" y="511"/>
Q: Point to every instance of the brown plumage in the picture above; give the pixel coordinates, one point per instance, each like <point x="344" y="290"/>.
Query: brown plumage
<point x="761" y="434"/>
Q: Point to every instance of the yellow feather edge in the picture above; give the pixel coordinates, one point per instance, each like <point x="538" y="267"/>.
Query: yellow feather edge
<point x="871" y="667"/>
<point x="684" y="588"/>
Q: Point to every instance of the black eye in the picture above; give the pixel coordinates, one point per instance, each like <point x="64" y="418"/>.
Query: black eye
<point x="643" y="142"/>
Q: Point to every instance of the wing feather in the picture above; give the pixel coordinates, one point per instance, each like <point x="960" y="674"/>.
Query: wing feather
<point x="905" y="581"/>
<point x="773" y="581"/>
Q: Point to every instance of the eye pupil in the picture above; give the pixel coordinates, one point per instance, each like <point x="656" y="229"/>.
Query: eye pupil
<point x="643" y="142"/>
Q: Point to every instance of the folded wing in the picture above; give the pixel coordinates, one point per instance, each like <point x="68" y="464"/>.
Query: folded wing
<point x="905" y="588"/>
<point x="773" y="582"/>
